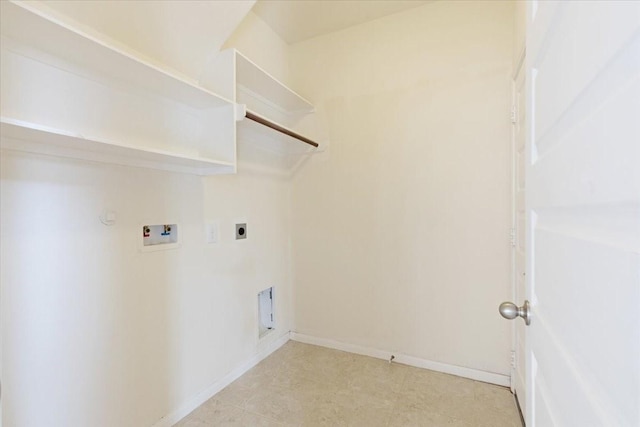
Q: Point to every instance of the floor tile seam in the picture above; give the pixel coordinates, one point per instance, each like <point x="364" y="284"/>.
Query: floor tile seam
<point x="389" y="415"/>
<point x="463" y="399"/>
<point x="480" y="393"/>
<point x="439" y="410"/>
<point x="234" y="405"/>
<point x="315" y="381"/>
<point x="394" y="377"/>
<point x="287" y="388"/>
<point x="264" y="416"/>
<point x="404" y="381"/>
<point x="470" y="421"/>
<point x="247" y="392"/>
<point x="433" y="392"/>
<point x="501" y="412"/>
<point x="268" y="373"/>
<point x="488" y="402"/>
<point x="194" y="415"/>
<point x="448" y="417"/>
<point x="396" y="402"/>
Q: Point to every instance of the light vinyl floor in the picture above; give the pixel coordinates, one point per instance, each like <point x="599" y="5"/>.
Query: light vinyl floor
<point x="306" y="385"/>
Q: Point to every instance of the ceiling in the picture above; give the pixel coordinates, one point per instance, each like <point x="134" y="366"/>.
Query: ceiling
<point x="185" y="34"/>
<point x="180" y="34"/>
<point x="298" y="20"/>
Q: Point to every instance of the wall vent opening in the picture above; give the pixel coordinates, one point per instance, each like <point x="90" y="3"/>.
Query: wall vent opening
<point x="265" y="312"/>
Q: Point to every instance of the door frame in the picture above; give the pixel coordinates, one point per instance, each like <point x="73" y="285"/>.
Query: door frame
<point x="518" y="69"/>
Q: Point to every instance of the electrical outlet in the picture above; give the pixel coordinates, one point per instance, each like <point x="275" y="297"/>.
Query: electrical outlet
<point x="241" y="231"/>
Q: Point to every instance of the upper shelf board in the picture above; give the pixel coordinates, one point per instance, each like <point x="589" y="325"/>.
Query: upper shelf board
<point x="254" y="80"/>
<point x="31" y="138"/>
<point x="100" y="56"/>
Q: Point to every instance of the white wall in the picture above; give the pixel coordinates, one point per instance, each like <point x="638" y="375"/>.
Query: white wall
<point x="97" y="333"/>
<point x="262" y="45"/>
<point x="520" y="30"/>
<point x="401" y="229"/>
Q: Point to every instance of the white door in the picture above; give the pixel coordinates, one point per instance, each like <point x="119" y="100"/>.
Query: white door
<point x="583" y="213"/>
<point x="518" y="373"/>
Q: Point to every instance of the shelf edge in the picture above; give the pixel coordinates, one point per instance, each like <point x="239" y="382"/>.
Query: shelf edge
<point x="310" y="107"/>
<point x="64" y="144"/>
<point x="118" y="48"/>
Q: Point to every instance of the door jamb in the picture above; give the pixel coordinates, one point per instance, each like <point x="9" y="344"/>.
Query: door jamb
<point x="518" y="68"/>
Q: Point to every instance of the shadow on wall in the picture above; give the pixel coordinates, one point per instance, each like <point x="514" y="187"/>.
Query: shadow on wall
<point x="87" y="317"/>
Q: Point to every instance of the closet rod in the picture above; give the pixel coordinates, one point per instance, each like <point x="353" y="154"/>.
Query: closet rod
<point x="251" y="116"/>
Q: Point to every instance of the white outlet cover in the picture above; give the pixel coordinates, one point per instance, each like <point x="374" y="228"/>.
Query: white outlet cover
<point x="212" y="232"/>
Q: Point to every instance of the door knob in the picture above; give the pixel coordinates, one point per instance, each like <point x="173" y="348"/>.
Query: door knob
<point x="510" y="311"/>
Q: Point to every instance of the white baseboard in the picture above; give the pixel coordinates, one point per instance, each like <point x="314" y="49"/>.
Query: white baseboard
<point x="474" y="374"/>
<point x="214" y="388"/>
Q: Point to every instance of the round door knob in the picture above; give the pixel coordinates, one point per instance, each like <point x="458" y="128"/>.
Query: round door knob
<point x="510" y="311"/>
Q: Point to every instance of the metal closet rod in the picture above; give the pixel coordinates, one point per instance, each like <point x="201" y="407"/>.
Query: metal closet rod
<point x="249" y="115"/>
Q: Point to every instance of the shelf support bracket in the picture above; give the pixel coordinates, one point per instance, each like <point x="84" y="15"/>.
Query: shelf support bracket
<point x="240" y="112"/>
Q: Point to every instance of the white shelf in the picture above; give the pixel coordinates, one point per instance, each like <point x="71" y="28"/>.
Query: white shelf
<point x="269" y="99"/>
<point x="71" y="92"/>
<point x="74" y="93"/>
<point x="100" y="56"/>
<point x="32" y="138"/>
<point x="257" y="83"/>
<point x="271" y="140"/>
